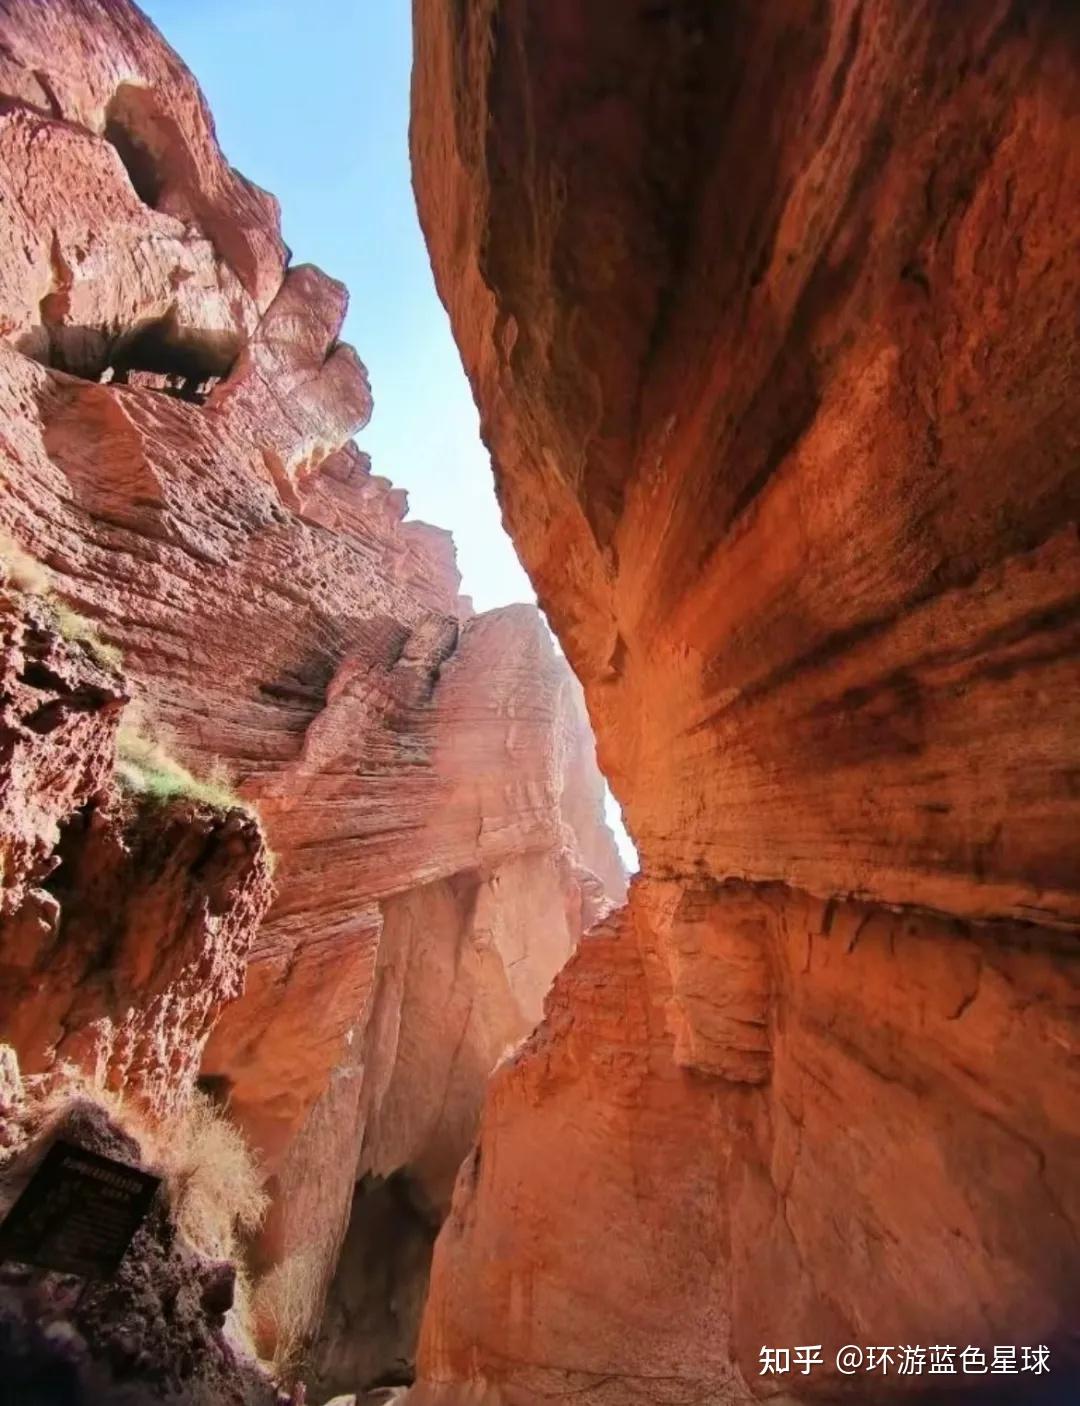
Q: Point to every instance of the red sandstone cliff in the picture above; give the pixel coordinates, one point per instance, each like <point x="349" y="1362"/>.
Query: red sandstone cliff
<point x="177" y="412"/>
<point x="770" y="311"/>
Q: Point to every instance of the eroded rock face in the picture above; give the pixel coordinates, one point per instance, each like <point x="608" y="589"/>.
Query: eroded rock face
<point x="60" y="710"/>
<point x="770" y="313"/>
<point x="127" y="921"/>
<point x="95" y="990"/>
<point x="177" y="412"/>
<point x="430" y="786"/>
<point x="903" y="1073"/>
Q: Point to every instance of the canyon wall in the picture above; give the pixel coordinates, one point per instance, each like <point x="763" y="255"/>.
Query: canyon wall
<point x="770" y="312"/>
<point x="205" y="577"/>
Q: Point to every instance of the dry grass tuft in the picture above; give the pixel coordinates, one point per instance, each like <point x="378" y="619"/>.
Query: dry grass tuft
<point x="25" y="573"/>
<point x="216" y="1188"/>
<point x="47" y="1098"/>
<point x="22" y="571"/>
<point x="76" y="629"/>
<point x="284" y="1307"/>
<point x="214" y="1184"/>
<point x="211" y="1177"/>
<point x="145" y="766"/>
<point x="216" y="1192"/>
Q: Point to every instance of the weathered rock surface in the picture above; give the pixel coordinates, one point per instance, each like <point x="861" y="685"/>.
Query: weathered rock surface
<point x="149" y="236"/>
<point x="441" y="804"/>
<point x="128" y="920"/>
<point x="59" y="710"/>
<point x="177" y="411"/>
<point x="770" y="312"/>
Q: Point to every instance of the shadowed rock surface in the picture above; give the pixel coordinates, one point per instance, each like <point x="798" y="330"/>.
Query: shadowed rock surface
<point x="770" y="312"/>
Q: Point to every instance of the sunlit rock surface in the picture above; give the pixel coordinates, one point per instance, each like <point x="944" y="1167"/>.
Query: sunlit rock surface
<point x="177" y="416"/>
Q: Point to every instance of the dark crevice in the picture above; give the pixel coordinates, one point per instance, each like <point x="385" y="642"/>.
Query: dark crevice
<point x="129" y="121"/>
<point x="54" y="714"/>
<point x="157" y="354"/>
<point x="38" y="675"/>
<point x="138" y="162"/>
<point x="216" y="1087"/>
<point x="370" y="1327"/>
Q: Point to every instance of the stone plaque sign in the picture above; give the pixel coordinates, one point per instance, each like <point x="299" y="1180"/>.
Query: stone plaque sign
<point x="77" y="1213"/>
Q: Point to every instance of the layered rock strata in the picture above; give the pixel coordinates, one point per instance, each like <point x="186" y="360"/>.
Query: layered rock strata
<point x="770" y="312"/>
<point x="177" y="418"/>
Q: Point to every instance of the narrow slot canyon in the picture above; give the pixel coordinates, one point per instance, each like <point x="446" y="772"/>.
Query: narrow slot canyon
<point x="352" y="1052"/>
<point x="371" y="1321"/>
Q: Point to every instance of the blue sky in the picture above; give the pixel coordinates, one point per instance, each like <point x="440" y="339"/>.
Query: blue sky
<point x="311" y="101"/>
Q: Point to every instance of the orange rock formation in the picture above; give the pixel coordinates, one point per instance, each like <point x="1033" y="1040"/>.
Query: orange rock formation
<point x="177" y="412"/>
<point x="770" y="311"/>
